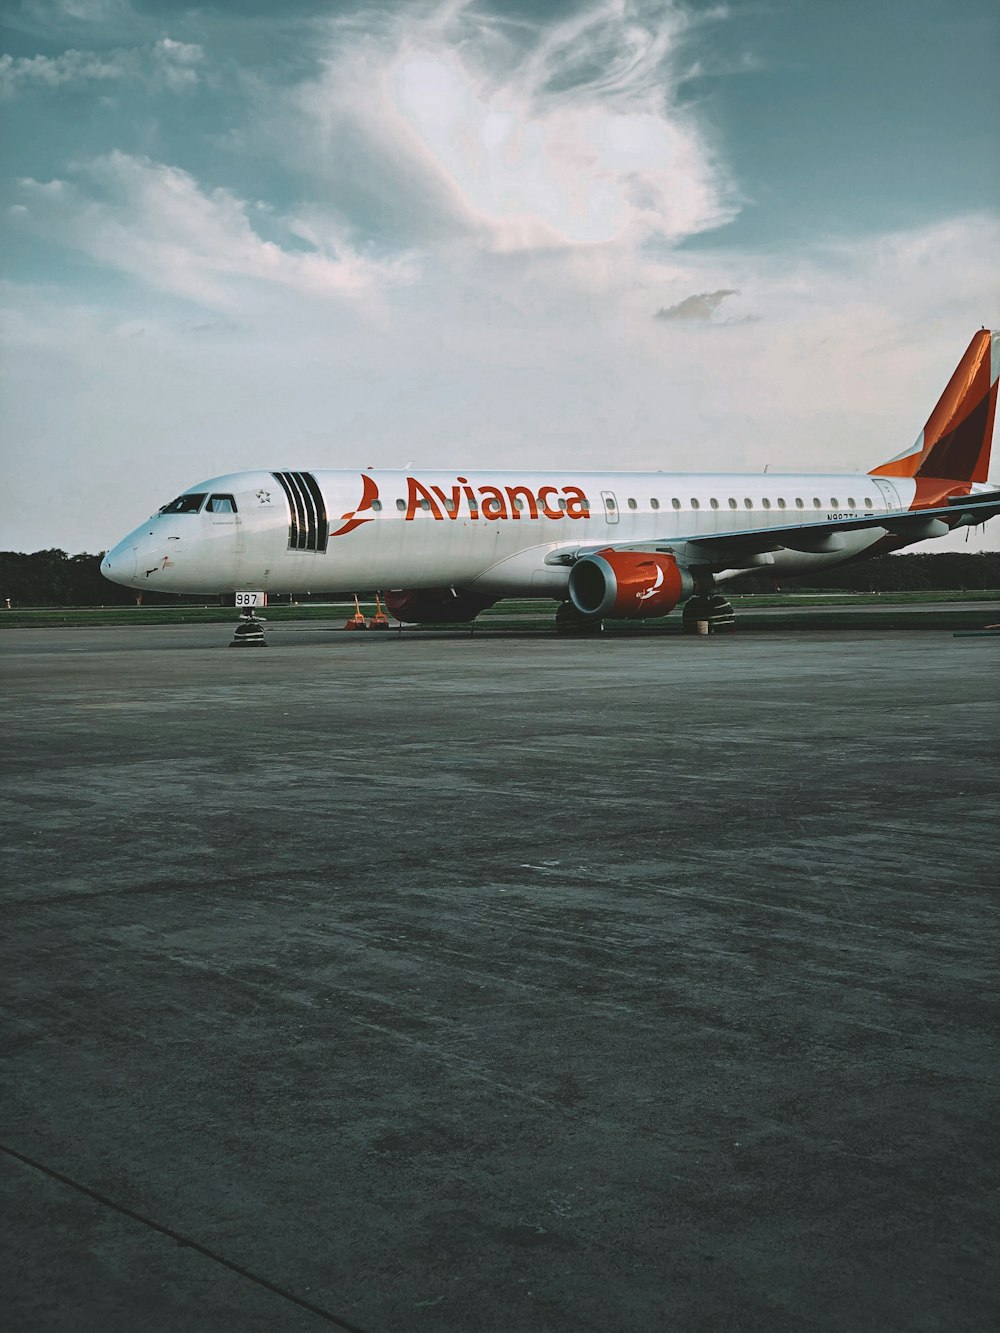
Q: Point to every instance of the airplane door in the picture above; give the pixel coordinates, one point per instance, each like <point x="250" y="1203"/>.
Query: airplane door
<point x="610" y="506"/>
<point x="889" y="493"/>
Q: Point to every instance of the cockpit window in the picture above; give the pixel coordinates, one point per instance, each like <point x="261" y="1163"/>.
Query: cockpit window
<point x="184" y="504"/>
<point x="220" y="504"/>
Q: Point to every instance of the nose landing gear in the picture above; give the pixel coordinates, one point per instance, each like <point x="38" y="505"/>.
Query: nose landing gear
<point x="249" y="633"/>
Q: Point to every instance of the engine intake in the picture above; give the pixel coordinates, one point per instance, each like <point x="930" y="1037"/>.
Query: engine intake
<point x="627" y="585"/>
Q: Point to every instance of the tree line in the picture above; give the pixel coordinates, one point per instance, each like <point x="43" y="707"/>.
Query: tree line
<point x="53" y="578"/>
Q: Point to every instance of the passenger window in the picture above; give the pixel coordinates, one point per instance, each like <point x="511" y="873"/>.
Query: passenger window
<point x="748" y="503"/>
<point x="799" y="502"/>
<point x="781" y="503"/>
<point x="834" y="502"/>
<point x="868" y="502"/>
<point x="377" y="506"/>
<point x="425" y="504"/>
<point x="817" y="502"/>
<point x="449" y="504"/>
<point x="714" y="502"/>
<point x="695" y="504"/>
<point x="184" y="504"/>
<point x="732" y="504"/>
<point x="851" y="502"/>
<point x="676" y="503"/>
<point x="766" y="504"/>
<point x="400" y="505"/>
<point x="631" y="503"/>
<point x="654" y="504"/>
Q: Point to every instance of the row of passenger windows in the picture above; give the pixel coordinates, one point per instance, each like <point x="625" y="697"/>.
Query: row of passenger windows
<point x="765" y="503"/>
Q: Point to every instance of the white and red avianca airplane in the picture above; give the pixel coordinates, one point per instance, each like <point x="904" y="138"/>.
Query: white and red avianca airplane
<point x="442" y="547"/>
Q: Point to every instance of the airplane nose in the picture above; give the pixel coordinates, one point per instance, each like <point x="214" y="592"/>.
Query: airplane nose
<point x="119" y="565"/>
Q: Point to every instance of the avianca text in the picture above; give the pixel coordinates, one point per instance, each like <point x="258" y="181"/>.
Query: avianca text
<point x="495" y="502"/>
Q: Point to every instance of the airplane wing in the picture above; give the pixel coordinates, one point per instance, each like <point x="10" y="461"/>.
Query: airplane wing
<point x="735" y="550"/>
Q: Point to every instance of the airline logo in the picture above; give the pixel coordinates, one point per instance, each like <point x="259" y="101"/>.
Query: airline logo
<point x="653" y="588"/>
<point x="351" y="519"/>
<point x="490" y="503"/>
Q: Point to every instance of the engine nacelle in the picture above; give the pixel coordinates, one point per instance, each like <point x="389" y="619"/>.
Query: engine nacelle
<point x="438" y="606"/>
<point x="626" y="585"/>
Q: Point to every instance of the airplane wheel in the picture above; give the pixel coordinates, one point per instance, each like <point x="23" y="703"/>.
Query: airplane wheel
<point x="570" y="621"/>
<point x="721" y="615"/>
<point x="716" y="610"/>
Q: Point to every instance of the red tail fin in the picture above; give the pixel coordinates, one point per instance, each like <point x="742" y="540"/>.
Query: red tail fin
<point x="955" y="443"/>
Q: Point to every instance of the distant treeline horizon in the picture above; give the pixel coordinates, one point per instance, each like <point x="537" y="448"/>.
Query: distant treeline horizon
<point x="53" y="578"/>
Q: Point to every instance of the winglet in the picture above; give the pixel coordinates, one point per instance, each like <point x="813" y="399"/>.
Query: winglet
<point x="955" y="443"/>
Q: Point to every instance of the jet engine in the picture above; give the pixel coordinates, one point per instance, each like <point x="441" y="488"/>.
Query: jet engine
<point x="438" y="606"/>
<point x="626" y="585"/>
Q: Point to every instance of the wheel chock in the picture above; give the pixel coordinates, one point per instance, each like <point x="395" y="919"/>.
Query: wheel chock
<point x="379" y="620"/>
<point x="357" y="621"/>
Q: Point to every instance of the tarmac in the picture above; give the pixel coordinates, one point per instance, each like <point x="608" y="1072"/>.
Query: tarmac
<point x="457" y="983"/>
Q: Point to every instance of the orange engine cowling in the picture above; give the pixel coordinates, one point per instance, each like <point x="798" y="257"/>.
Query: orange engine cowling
<point x="625" y="585"/>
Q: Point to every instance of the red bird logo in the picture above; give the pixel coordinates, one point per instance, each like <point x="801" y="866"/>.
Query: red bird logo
<point x="369" y="496"/>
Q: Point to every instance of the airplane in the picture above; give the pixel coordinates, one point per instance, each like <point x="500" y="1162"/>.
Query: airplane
<point x="443" y="546"/>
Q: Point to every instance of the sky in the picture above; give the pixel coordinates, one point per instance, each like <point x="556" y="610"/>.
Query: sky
<point x="511" y="234"/>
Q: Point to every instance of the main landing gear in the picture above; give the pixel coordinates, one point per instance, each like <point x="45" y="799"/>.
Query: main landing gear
<point x="703" y="614"/>
<point x="710" y="614"/>
<point x="570" y="621"/>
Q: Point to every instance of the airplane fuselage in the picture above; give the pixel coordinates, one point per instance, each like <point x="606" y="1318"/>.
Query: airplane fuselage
<point x="497" y="533"/>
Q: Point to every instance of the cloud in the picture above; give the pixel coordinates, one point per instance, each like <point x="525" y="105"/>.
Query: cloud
<point x="166" y="64"/>
<point x="449" y="131"/>
<point x="520" y="135"/>
<point x="700" y="307"/>
<point x="89" y="12"/>
<point x="175" y="63"/>
<point x="156" y="223"/>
